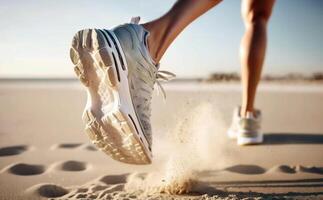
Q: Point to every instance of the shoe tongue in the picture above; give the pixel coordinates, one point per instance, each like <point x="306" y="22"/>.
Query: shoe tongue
<point x="135" y="20"/>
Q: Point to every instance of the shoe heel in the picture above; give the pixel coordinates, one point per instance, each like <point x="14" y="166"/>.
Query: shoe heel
<point x="94" y="130"/>
<point x="132" y="142"/>
<point x="125" y="148"/>
<point x="243" y="141"/>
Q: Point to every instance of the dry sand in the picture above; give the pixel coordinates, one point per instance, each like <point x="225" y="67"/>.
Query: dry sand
<point x="44" y="152"/>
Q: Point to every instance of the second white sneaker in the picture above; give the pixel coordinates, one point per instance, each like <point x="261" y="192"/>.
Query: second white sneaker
<point x="246" y="129"/>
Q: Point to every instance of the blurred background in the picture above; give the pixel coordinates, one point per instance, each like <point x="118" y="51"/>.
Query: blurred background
<point x="36" y="35"/>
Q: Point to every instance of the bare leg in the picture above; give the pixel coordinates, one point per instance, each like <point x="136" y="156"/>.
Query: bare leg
<point x="255" y="15"/>
<point x="165" y="29"/>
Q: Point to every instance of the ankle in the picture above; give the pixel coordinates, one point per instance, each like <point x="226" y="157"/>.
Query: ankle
<point x="245" y="111"/>
<point x="152" y="42"/>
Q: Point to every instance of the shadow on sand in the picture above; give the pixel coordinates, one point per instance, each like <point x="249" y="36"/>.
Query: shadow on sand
<point x="292" y="138"/>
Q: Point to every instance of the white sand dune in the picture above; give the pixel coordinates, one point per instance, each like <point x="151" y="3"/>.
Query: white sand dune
<point x="44" y="152"/>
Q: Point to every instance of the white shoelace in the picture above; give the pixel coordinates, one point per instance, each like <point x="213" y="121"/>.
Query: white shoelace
<point x="163" y="76"/>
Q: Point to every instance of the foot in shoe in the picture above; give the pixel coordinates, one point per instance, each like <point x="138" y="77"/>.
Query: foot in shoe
<point x="246" y="129"/>
<point x="119" y="75"/>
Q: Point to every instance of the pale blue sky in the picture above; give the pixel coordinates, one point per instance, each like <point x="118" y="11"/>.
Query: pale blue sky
<point x="35" y="35"/>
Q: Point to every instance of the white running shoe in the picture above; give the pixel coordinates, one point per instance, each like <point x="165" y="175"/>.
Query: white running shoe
<point x="119" y="75"/>
<point x="246" y="129"/>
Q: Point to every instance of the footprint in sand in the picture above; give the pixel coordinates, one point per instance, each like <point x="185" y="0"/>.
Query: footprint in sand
<point x="47" y="190"/>
<point x="66" y="146"/>
<point x="294" y="169"/>
<point x="114" y="179"/>
<point x="246" y="169"/>
<point x="91" y="148"/>
<point x="23" y="169"/>
<point x="313" y="169"/>
<point x="73" y="165"/>
<point x="283" y="169"/>
<point x="13" y="150"/>
<point x="73" y="146"/>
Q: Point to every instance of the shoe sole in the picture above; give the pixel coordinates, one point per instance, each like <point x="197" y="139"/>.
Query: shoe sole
<point x="243" y="141"/>
<point x="117" y="130"/>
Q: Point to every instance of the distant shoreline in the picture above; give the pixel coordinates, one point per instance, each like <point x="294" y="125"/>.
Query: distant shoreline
<point x="212" y="78"/>
<point x="289" y="77"/>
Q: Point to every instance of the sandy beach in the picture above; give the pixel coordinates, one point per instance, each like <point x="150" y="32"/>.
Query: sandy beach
<point x="44" y="152"/>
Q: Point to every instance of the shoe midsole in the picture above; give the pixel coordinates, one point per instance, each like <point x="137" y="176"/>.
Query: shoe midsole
<point x="125" y="100"/>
